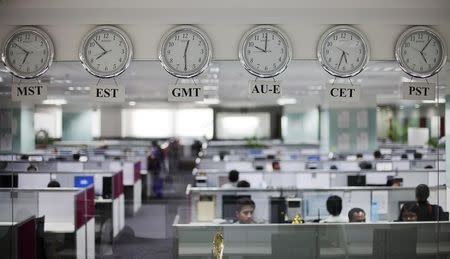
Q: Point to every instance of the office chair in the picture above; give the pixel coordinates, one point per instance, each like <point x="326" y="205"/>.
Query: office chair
<point x="40" y="238"/>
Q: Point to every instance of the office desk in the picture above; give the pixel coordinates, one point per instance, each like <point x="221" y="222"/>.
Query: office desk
<point x="237" y="249"/>
<point x="57" y="227"/>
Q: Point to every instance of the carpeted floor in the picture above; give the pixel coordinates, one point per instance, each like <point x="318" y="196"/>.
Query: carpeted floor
<point x="149" y="233"/>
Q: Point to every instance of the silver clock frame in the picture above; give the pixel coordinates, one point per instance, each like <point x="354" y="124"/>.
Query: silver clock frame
<point x="164" y="41"/>
<point x="337" y="29"/>
<point x="50" y="50"/>
<point x="399" y="57"/>
<point x="123" y="35"/>
<point x="272" y="29"/>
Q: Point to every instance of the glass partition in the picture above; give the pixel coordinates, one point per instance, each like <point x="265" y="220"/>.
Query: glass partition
<point x="356" y="240"/>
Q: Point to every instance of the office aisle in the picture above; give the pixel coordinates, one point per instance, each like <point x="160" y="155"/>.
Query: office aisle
<point x="149" y="233"/>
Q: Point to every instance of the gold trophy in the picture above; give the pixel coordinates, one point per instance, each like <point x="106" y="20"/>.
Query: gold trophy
<point x="297" y="219"/>
<point x="217" y="248"/>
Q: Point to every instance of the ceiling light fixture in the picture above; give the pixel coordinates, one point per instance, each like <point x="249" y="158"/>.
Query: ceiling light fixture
<point x="54" y="101"/>
<point x="285" y="101"/>
<point x="209" y="101"/>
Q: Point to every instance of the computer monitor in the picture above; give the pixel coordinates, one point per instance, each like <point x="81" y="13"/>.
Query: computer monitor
<point x="356" y="180"/>
<point x="315" y="205"/>
<point x="107" y="192"/>
<point x="229" y="205"/>
<point x="384" y="166"/>
<point x="313" y="158"/>
<point x="9" y="181"/>
<point x="385" y="151"/>
<point x="83" y="181"/>
<point x="255" y="152"/>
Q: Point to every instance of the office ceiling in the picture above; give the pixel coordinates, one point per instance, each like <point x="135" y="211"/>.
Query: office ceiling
<point x="146" y="82"/>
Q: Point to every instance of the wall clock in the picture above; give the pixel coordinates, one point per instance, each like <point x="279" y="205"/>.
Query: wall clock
<point x="185" y="51"/>
<point x="28" y="52"/>
<point x="265" y="51"/>
<point x="421" y="51"/>
<point x="343" y="51"/>
<point x="106" y="51"/>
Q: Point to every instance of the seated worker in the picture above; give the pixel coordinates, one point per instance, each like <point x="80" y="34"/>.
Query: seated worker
<point x="53" y="184"/>
<point x="243" y="184"/>
<point x="244" y="211"/>
<point x="427" y="211"/>
<point x="356" y="215"/>
<point x="233" y="177"/>
<point x="334" y="207"/>
<point x="408" y="212"/>
<point x="377" y="154"/>
<point x="31" y="168"/>
<point x="394" y="182"/>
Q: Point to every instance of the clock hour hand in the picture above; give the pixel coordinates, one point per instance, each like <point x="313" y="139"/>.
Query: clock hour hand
<point x="260" y="48"/>
<point x="346" y="53"/>
<point x="423" y="56"/>
<point x="99" y="45"/>
<point x="26" y="55"/>
<point x="345" y="57"/>
<point x="101" y="55"/>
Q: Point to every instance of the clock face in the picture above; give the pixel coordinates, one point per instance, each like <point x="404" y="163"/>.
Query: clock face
<point x="265" y="51"/>
<point x="106" y="52"/>
<point x="28" y="52"/>
<point x="185" y="52"/>
<point x="343" y="51"/>
<point x="421" y="52"/>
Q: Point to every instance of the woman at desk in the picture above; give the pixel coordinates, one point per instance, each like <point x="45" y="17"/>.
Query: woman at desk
<point x="233" y="178"/>
<point x="334" y="207"/>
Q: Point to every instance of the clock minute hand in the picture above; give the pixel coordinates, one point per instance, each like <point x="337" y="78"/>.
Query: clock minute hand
<point x="340" y="60"/>
<point x="27" y="52"/>
<point x="185" y="57"/>
<point x="99" y="45"/>
<point x="265" y="44"/>
<point x="426" y="45"/>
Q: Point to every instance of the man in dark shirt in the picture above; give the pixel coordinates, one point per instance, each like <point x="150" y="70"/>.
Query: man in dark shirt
<point x="427" y="211"/>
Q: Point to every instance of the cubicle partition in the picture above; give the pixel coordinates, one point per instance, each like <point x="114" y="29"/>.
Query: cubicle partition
<point x="131" y="171"/>
<point x="313" y="241"/>
<point x="325" y="178"/>
<point x="107" y="191"/>
<point x="379" y="203"/>
<point x="65" y="214"/>
<point x="132" y="184"/>
<point x="248" y="163"/>
<point x="18" y="239"/>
